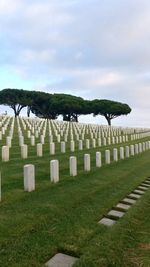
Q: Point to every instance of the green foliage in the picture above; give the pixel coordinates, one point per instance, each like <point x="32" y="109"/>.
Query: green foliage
<point x="50" y="106"/>
<point x="64" y="217"/>
<point x="109" y="109"/>
<point x="70" y="107"/>
<point x="16" y="99"/>
<point x="44" y="105"/>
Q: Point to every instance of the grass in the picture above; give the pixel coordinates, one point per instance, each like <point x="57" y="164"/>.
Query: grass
<point x="64" y="217"/>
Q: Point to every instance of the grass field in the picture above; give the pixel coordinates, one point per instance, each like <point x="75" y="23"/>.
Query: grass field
<point x="64" y="217"/>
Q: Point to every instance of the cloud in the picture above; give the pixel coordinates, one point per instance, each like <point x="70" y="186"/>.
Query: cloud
<point x="7" y="7"/>
<point x="92" y="48"/>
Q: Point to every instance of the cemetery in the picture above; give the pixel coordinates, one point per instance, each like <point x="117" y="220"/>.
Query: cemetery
<point x="73" y="194"/>
<point x="74" y="133"/>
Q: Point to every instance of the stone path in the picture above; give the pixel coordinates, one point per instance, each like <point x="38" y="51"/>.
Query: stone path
<point x="122" y="207"/>
<point x="61" y="260"/>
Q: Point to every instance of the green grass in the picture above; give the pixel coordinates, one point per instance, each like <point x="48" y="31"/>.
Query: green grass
<point x="64" y="217"/>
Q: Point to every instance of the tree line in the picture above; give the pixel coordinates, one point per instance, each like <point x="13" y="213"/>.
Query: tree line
<point x="50" y="106"/>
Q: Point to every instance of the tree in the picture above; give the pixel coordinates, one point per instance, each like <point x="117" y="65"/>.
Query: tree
<point x="71" y="107"/>
<point x="16" y="99"/>
<point x="44" y="105"/>
<point x="109" y="109"/>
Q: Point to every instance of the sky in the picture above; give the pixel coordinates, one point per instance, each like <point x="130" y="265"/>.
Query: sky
<point x="89" y="48"/>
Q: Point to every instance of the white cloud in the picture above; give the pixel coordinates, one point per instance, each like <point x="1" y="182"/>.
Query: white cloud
<point x="9" y="6"/>
<point x="95" y="49"/>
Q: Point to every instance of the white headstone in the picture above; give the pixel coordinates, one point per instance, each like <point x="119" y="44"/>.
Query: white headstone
<point x="127" y="152"/>
<point x="39" y="150"/>
<point x="87" y="162"/>
<point x="52" y="148"/>
<point x="72" y="146"/>
<point x="73" y="166"/>
<point x="98" y="159"/>
<point x="63" y="147"/>
<point x="24" y="151"/>
<point x="29" y="178"/>
<point x="121" y="152"/>
<point x="5" y="153"/>
<point x="54" y="171"/>
<point x="107" y="156"/>
<point x="115" y="154"/>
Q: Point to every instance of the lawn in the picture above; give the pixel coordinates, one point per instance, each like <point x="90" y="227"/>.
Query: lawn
<point x="64" y="217"/>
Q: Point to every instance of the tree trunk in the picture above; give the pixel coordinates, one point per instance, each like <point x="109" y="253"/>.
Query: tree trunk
<point x="28" y="111"/>
<point x="108" y="120"/>
<point x="15" y="111"/>
<point x="76" y="118"/>
<point x="66" y="117"/>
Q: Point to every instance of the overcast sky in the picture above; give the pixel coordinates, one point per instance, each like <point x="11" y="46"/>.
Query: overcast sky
<point x="89" y="48"/>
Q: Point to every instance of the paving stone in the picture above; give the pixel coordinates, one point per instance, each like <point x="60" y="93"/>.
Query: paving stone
<point x="107" y="221"/>
<point x="129" y="200"/>
<point x="134" y="195"/>
<point x="142" y="187"/>
<point x="147" y="181"/>
<point x="61" y="260"/>
<point x="145" y="184"/>
<point x="116" y="213"/>
<point x="123" y="206"/>
<point x="138" y="192"/>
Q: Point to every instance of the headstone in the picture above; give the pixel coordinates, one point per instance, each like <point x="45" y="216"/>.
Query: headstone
<point x="24" y="151"/>
<point x="32" y="140"/>
<point x="29" y="178"/>
<point x="132" y="150"/>
<point x="98" y="159"/>
<point x="61" y="260"/>
<point x="39" y="150"/>
<point x="115" y="154"/>
<point x="73" y="166"/>
<point x="107" y="156"/>
<point x="72" y="146"/>
<point x="63" y="147"/>
<point x="52" y="148"/>
<point x="121" y="152"/>
<point x="107" y="221"/>
<point x="5" y="153"/>
<point x="54" y="171"/>
<point x="87" y="162"/>
<point x="127" y="152"/>
<point x="123" y="206"/>
<point x="80" y="145"/>
<point x="116" y="213"/>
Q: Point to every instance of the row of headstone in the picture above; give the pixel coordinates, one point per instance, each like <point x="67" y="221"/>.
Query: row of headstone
<point x="132" y="149"/>
<point x="29" y="172"/>
<point x="71" y="129"/>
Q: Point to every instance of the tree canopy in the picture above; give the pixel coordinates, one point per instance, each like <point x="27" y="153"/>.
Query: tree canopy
<point x="16" y="99"/>
<point x="109" y="109"/>
<point x="50" y="106"/>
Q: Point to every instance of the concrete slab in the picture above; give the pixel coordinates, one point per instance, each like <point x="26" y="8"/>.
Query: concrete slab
<point x="107" y="221"/>
<point x="61" y="260"/>
<point x="116" y="213"/>
<point x="147" y="185"/>
<point x="147" y="181"/>
<point x="129" y="200"/>
<point x="123" y="206"/>
<point x="134" y="195"/>
<point x="142" y="188"/>
<point x="137" y="191"/>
